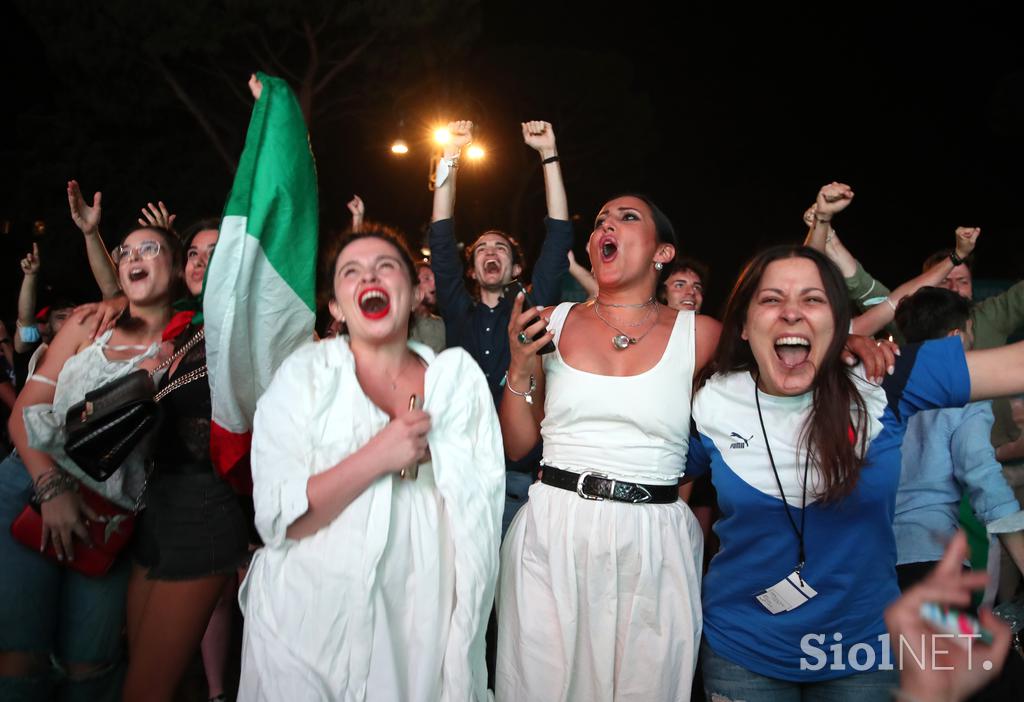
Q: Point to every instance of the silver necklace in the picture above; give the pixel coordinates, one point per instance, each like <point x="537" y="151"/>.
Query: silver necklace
<point x="622" y="340"/>
<point x="635" y="305"/>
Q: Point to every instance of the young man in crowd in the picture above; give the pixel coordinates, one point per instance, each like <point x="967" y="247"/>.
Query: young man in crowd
<point x="477" y="320"/>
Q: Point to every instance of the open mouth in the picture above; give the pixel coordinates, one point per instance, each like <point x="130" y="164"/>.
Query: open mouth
<point x="137" y="274"/>
<point x="374" y="303"/>
<point x="792" y="350"/>
<point x="492" y="265"/>
<point x="609" y="247"/>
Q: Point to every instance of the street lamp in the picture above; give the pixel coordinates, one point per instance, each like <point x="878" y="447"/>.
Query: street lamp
<point x="439" y="137"/>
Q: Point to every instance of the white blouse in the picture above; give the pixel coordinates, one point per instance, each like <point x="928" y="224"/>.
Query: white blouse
<point x="391" y="599"/>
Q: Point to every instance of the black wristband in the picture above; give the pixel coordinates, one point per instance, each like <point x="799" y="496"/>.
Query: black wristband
<point x="549" y="159"/>
<point x="957" y="261"/>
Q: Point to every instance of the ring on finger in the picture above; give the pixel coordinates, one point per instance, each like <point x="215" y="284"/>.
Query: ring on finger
<point x="523" y="338"/>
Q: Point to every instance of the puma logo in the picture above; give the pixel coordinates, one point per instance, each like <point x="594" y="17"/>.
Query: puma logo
<point x="742" y="443"/>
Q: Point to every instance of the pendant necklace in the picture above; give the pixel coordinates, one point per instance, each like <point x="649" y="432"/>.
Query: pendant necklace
<point x="622" y="340"/>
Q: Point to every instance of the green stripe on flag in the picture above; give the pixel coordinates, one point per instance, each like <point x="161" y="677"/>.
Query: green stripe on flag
<point x="275" y="188"/>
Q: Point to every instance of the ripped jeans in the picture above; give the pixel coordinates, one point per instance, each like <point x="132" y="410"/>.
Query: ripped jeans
<point x="55" y="611"/>
<point x="724" y="681"/>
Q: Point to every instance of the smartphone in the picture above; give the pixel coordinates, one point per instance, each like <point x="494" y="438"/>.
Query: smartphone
<point x="514" y="288"/>
<point x="950" y="620"/>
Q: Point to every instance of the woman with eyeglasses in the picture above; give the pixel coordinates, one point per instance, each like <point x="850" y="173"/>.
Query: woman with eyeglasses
<point x="192" y="537"/>
<point x="48" y="610"/>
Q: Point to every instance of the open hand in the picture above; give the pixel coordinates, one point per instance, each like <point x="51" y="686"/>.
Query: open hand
<point x="85" y="217"/>
<point x="157" y="216"/>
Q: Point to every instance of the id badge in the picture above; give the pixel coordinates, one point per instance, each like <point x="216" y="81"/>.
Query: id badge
<point x="787" y="594"/>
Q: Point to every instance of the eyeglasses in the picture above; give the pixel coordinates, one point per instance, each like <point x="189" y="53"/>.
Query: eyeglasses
<point x="147" y="250"/>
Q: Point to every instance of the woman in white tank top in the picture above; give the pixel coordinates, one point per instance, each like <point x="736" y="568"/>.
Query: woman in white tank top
<point x="599" y="595"/>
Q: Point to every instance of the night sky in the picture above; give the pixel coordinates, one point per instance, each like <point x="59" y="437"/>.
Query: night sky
<point x="731" y="121"/>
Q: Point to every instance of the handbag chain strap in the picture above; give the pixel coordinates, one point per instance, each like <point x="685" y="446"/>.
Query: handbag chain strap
<point x="192" y="375"/>
<point x="199" y="336"/>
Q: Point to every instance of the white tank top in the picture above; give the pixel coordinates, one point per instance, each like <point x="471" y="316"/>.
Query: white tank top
<point x="633" y="427"/>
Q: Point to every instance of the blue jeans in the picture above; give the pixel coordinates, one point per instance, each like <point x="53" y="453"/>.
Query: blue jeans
<point x="46" y="608"/>
<point x="517" y="491"/>
<point x="724" y="681"/>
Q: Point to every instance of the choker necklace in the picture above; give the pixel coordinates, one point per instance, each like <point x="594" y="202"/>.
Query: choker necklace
<point x="635" y="305"/>
<point x="622" y="340"/>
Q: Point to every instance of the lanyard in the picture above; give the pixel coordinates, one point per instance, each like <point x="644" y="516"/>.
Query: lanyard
<point x="801" y="559"/>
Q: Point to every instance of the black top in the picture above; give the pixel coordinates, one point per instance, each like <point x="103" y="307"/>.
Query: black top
<point x="183" y="439"/>
<point x="481" y="330"/>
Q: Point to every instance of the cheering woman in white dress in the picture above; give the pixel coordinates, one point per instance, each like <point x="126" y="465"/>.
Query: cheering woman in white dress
<point x="381" y="557"/>
<point x="599" y="597"/>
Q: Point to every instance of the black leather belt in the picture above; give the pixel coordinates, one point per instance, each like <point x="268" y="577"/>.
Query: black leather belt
<point x="591" y="485"/>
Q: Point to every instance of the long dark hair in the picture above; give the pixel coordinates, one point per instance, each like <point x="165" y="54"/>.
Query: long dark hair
<point x="826" y="435"/>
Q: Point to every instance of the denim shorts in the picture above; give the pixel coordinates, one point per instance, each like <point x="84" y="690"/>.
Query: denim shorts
<point x="193" y="527"/>
<point x="724" y="680"/>
<point x="45" y="607"/>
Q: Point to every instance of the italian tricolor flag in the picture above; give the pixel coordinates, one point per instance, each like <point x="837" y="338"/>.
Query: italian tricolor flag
<point x="259" y="294"/>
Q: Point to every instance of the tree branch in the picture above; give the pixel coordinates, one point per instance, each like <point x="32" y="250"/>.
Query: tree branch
<point x="197" y="113"/>
<point x="344" y="63"/>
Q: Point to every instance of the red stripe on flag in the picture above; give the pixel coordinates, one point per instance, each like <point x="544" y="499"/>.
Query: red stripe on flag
<point x="229" y="453"/>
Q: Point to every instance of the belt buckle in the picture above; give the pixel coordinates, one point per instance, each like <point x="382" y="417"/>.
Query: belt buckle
<point x="579" y="484"/>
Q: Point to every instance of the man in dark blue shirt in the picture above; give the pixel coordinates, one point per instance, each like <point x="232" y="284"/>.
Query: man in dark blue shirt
<point x="479" y="322"/>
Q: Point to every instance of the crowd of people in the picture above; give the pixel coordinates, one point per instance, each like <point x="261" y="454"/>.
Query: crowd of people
<point x="466" y="486"/>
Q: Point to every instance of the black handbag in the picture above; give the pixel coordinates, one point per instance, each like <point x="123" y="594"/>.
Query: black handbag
<point x="104" y="428"/>
<point x="109" y="423"/>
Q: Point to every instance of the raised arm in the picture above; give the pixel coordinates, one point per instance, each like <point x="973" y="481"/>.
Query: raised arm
<point x="540" y="137"/>
<point x="872" y="321"/>
<point x="87" y="219"/>
<point x="460" y="134"/>
<point x="445" y="259"/>
<point x="358" y="210"/>
<point x="832" y="199"/>
<point x="551" y="264"/>
<point x="522" y="406"/>
<point x="27" y="299"/>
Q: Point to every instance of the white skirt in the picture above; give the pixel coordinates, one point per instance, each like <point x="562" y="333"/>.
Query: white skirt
<point x="598" y="600"/>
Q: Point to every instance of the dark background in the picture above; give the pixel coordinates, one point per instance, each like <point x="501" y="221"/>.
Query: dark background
<point x="730" y="120"/>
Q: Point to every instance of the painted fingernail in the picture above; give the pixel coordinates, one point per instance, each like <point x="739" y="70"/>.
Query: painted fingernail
<point x="891" y="369"/>
<point x="897" y="351"/>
